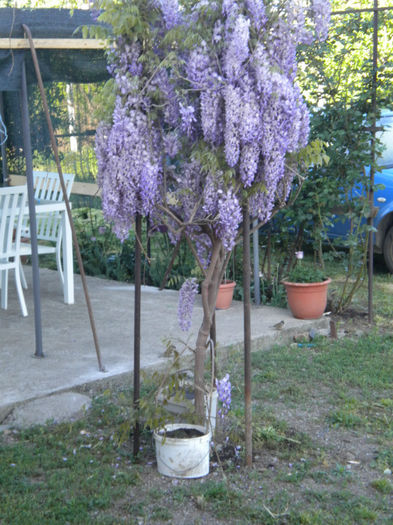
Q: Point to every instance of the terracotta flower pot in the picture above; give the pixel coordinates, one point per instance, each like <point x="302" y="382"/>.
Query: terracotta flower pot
<point x="307" y="300"/>
<point x="225" y="295"/>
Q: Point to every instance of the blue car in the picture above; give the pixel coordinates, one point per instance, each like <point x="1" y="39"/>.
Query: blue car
<point x="383" y="198"/>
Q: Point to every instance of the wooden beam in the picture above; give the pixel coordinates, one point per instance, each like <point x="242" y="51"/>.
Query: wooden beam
<point x="52" y="43"/>
<point x="86" y="188"/>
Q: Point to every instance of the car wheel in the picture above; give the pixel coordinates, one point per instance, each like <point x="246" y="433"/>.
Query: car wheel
<point x="388" y="249"/>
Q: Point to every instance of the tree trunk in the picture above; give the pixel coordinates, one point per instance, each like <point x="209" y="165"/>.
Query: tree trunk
<point x="209" y="295"/>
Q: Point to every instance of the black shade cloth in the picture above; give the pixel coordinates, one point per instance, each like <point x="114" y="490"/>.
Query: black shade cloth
<point x="68" y="65"/>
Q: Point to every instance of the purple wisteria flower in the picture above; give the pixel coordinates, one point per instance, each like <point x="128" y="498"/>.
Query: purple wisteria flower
<point x="233" y="104"/>
<point x="162" y="82"/>
<point x="211" y="117"/>
<point x="187" y="119"/>
<point x="237" y="49"/>
<point x="171" y="144"/>
<point x="321" y="11"/>
<point x="229" y="219"/>
<point x="230" y="8"/>
<point x="257" y="12"/>
<point x="249" y="160"/>
<point x="187" y="295"/>
<point x="198" y="66"/>
<point x="170" y="11"/>
<point x="224" y="390"/>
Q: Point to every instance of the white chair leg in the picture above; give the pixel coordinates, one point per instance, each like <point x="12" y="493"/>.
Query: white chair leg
<point x="20" y="289"/>
<point x="58" y="261"/>
<point x="4" y="289"/>
<point x="22" y="275"/>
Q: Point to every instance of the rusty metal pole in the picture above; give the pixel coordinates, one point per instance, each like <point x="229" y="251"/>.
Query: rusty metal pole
<point x="147" y="280"/>
<point x="247" y="334"/>
<point x="255" y="247"/>
<point x="372" y="167"/>
<point x="66" y="200"/>
<point x="137" y="329"/>
<point x="33" y="223"/>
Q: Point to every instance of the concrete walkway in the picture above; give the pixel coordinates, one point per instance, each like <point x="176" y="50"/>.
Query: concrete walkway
<point x="70" y="362"/>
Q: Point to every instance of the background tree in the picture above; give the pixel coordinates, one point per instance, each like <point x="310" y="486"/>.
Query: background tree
<point x="336" y="79"/>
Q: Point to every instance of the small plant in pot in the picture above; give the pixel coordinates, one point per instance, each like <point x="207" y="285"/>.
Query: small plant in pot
<point x="306" y="288"/>
<point x="182" y="447"/>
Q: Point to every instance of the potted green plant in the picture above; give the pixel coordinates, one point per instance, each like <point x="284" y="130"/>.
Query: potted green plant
<point x="183" y="450"/>
<point x="182" y="447"/>
<point x="306" y="287"/>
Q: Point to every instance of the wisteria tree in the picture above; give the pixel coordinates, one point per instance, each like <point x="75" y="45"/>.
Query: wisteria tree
<point x="208" y="118"/>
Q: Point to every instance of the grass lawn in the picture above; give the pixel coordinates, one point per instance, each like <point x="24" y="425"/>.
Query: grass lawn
<point x="323" y="447"/>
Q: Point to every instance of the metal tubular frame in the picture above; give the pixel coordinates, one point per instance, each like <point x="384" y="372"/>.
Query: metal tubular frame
<point x="66" y="200"/>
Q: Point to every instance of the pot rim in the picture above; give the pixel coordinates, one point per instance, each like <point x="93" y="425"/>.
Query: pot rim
<point x="159" y="433"/>
<point x="316" y="283"/>
<point x="227" y="283"/>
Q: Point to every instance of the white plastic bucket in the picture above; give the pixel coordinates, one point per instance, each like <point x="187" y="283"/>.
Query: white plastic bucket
<point x="182" y="457"/>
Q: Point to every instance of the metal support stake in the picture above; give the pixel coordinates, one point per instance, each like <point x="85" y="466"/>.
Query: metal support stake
<point x="33" y="223"/>
<point x="137" y="328"/>
<point x="247" y="333"/>
<point x="255" y="247"/>
<point x="372" y="168"/>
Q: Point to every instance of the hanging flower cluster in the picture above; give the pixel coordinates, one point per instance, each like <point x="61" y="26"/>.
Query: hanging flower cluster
<point x="321" y="12"/>
<point x="171" y="12"/>
<point x="224" y="390"/>
<point x="129" y="168"/>
<point x="187" y="294"/>
<point x="129" y="161"/>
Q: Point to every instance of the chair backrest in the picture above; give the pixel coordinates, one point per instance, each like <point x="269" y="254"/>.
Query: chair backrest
<point x="47" y="187"/>
<point x="12" y="208"/>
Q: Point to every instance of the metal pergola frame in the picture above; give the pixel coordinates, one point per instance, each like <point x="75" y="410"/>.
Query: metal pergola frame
<point x="54" y="43"/>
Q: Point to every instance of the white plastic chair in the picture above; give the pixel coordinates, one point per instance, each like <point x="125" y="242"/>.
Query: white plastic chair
<point x="12" y="208"/>
<point x="47" y="188"/>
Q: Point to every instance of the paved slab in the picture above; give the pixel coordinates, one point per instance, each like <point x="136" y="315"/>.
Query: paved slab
<point x="70" y="362"/>
<point x="54" y="409"/>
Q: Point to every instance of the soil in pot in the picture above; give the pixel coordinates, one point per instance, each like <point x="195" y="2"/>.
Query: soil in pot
<point x="182" y="433"/>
